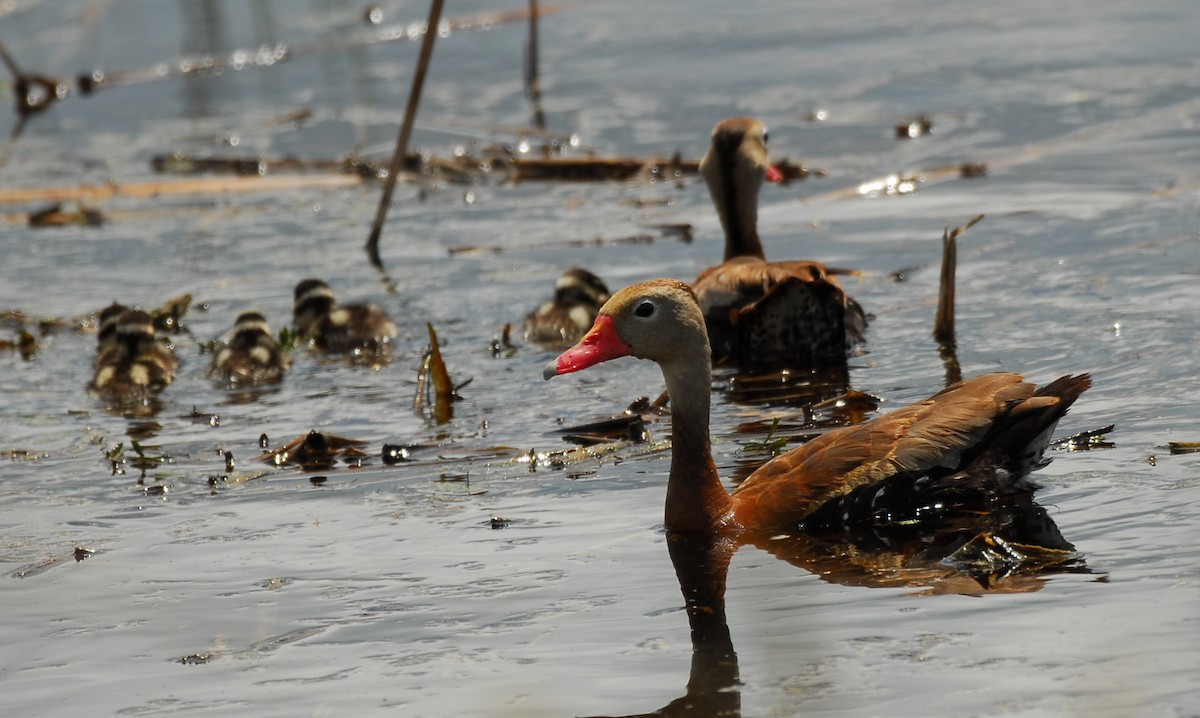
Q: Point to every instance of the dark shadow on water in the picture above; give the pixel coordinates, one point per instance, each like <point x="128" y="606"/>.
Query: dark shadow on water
<point x="1010" y="550"/>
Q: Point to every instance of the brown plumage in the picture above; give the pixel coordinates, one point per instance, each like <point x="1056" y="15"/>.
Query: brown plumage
<point x="132" y="364"/>
<point x="359" y="329"/>
<point x="252" y="355"/>
<point x="578" y="295"/>
<point x="759" y="313"/>
<point x="958" y="451"/>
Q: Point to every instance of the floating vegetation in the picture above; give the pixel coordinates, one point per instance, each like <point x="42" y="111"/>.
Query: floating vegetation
<point x="1086" y="440"/>
<point x="989" y="558"/>
<point x="1182" y="447"/>
<point x="629" y="426"/>
<point x="56" y="216"/>
<point x="25" y="344"/>
<point x="772" y="444"/>
<point x="433" y="374"/>
<point x="169" y="317"/>
<point x="317" y="451"/>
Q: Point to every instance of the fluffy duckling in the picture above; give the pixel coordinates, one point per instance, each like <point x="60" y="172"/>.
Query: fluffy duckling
<point x="578" y="295"/>
<point x="134" y="364"/>
<point x="354" y="328"/>
<point x="252" y="356"/>
<point x="106" y="328"/>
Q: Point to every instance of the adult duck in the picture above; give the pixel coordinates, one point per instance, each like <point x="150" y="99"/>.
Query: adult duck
<point x="958" y="451"/>
<point x="561" y="321"/>
<point x="355" y="329"/>
<point x="759" y="313"/>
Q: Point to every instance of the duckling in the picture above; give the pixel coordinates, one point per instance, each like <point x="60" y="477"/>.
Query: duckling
<point x="106" y="328"/>
<point x="134" y="365"/>
<point x="252" y="355"/>
<point x="354" y="328"/>
<point x="578" y="295"/>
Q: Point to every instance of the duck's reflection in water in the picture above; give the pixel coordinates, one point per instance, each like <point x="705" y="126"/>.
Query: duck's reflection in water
<point x="1010" y="550"/>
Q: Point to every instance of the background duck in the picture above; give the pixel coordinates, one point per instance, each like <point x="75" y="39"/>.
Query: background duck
<point x="578" y="295"/>
<point x="354" y="328"/>
<point x="252" y="355"/>
<point x="759" y="313"/>
<point x="958" y="452"/>
<point x="135" y="364"/>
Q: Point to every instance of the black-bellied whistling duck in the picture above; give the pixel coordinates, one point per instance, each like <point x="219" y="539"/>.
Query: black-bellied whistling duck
<point x="957" y="451"/>
<point x="578" y="295"/>
<point x="252" y="355"/>
<point x="760" y="313"/>
<point x="133" y="364"/>
<point x="353" y="328"/>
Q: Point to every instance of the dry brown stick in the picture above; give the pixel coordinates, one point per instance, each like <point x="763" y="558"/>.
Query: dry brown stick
<point x="943" y="324"/>
<point x="410" y="113"/>
<point x="533" y="85"/>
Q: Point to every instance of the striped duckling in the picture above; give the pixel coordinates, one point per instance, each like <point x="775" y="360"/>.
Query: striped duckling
<point x="252" y="355"/>
<point x="106" y="328"/>
<point x="578" y="296"/>
<point x="133" y="364"/>
<point x="358" y="329"/>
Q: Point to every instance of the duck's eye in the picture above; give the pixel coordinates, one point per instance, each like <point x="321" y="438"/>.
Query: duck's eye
<point x="645" y="309"/>
<point x="765" y="136"/>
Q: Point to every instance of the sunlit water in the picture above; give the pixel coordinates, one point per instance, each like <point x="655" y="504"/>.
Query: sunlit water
<point x="387" y="589"/>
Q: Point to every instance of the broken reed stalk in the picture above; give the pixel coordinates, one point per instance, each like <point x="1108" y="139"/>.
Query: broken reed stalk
<point x="443" y="387"/>
<point x="943" y="324"/>
<point x="410" y="113"/>
<point x="533" y="85"/>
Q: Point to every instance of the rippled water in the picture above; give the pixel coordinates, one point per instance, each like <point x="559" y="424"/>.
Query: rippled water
<point x="386" y="588"/>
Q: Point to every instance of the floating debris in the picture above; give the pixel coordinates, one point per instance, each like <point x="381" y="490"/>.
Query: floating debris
<point x="1086" y="440"/>
<point x="25" y="344"/>
<point x="396" y="454"/>
<point x="988" y="557"/>
<point x="914" y="128"/>
<point x="1181" y="447"/>
<point x="169" y="317"/>
<point x="82" y="553"/>
<point x="433" y="372"/>
<point x="316" y="451"/>
<point x="497" y="522"/>
<point x="629" y="426"/>
<point x="972" y="170"/>
<point x="56" y="216"/>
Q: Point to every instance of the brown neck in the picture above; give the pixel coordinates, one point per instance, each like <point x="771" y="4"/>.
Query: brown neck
<point x="739" y="216"/>
<point x="696" y="500"/>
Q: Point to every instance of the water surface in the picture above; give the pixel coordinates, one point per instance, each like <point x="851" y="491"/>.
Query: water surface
<point x="386" y="589"/>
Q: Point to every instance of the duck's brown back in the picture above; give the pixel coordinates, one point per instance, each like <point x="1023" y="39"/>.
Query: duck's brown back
<point x="969" y="442"/>
<point x="778" y="314"/>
